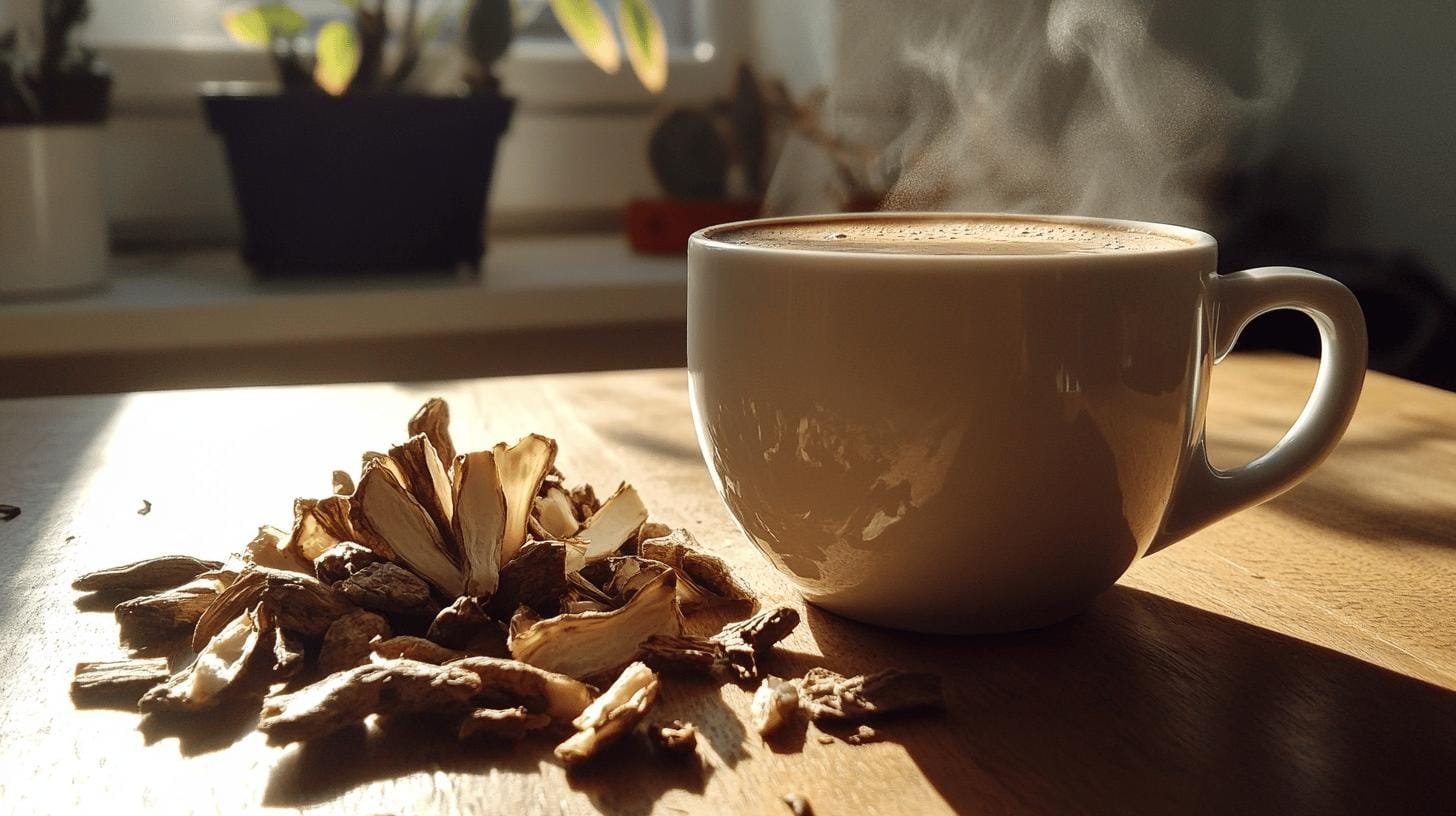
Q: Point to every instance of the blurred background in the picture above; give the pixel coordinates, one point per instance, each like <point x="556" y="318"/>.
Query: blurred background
<point x="204" y="193"/>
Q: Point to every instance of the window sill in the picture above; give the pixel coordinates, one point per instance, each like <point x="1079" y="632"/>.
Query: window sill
<point x="199" y="300"/>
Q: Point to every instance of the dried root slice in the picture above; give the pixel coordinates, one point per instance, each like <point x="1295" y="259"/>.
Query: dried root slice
<point x="390" y="522"/>
<point x="343" y="483"/>
<point x="348" y="641"/>
<point x="117" y="680"/>
<point x="294" y="601"/>
<point x="348" y="697"/>
<point x="342" y="560"/>
<point x="464" y="625"/>
<point x="318" y="525"/>
<point x="555" y="513"/>
<point x="500" y="724"/>
<point x="556" y="695"/>
<point x="428" y="480"/>
<point x="611" y="526"/>
<point x="612" y="715"/>
<point x="433" y="420"/>
<point x="653" y="529"/>
<point x="826" y="695"/>
<point x="535" y="578"/>
<point x="584" y="499"/>
<point x="390" y="588"/>
<point x="480" y="520"/>
<point x="675" y="738"/>
<point x="587" y="644"/>
<point x="220" y="670"/>
<point x="774" y="706"/>
<point x="270" y="548"/>
<point x="521" y="468"/>
<point x="140" y="577"/>
<point x="152" y="620"/>
<point x="733" y="652"/>
<point x="414" y="648"/>
<point x="703" y="580"/>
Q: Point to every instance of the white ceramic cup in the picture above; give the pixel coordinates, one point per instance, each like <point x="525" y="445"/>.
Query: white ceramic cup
<point x="980" y="443"/>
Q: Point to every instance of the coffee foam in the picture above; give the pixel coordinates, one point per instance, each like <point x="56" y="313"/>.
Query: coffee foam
<point x="949" y="237"/>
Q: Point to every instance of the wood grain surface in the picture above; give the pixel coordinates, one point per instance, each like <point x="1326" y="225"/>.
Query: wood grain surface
<point x="1297" y="658"/>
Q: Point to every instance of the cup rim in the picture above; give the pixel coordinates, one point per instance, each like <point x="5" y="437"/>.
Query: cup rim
<point x="1197" y="240"/>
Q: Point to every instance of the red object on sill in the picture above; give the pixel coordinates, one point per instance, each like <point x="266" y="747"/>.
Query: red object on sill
<point x="658" y="226"/>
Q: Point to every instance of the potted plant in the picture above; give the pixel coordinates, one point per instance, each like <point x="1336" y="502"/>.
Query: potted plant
<point x="345" y="168"/>
<point x="52" y="106"/>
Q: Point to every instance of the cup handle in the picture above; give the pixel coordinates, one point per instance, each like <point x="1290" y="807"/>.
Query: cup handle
<point x="1204" y="494"/>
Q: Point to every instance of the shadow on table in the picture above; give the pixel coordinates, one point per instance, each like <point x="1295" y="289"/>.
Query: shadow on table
<point x="1146" y="705"/>
<point x="623" y="780"/>
<point x="1342" y="495"/>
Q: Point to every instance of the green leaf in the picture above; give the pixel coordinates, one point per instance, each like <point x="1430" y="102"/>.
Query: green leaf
<point x="588" y="27"/>
<point x="260" y="25"/>
<point x="336" y="57"/>
<point x="646" y="44"/>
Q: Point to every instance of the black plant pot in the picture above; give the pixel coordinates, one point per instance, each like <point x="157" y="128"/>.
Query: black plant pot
<point x="361" y="182"/>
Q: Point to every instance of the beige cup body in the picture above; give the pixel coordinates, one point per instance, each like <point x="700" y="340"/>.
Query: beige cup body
<point x="956" y="444"/>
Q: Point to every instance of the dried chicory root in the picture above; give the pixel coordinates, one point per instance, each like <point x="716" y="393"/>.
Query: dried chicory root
<point x="403" y="591"/>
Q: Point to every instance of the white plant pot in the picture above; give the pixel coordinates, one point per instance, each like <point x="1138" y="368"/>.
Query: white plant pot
<point x="52" y="220"/>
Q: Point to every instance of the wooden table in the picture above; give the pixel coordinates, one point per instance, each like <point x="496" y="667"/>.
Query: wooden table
<point x="1298" y="658"/>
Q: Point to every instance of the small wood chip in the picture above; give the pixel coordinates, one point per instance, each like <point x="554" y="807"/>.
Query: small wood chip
<point x="149" y="575"/>
<point x="391" y="689"/>
<point x="500" y="724"/>
<point x="611" y="716"/>
<point x="826" y="695"/>
<point x="145" y="508"/>
<point x="798" y="804"/>
<point x="774" y="706"/>
<point x="347" y="643"/>
<point x="862" y="734"/>
<point x="675" y="738"/>
<point x="118" y="680"/>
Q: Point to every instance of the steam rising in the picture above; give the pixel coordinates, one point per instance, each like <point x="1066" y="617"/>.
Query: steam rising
<point x="1071" y="106"/>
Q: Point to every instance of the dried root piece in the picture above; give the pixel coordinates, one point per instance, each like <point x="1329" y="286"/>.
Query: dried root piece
<point x="521" y="468"/>
<point x="480" y="520"/>
<point x="318" y="525"/>
<point x="703" y="580"/>
<point x="826" y="695"/>
<point x="536" y="578"/>
<point x="433" y="420"/>
<point x="390" y="522"/>
<point x="414" y="648"/>
<point x="428" y="481"/>
<point x="650" y="530"/>
<point x="734" y="651"/>
<point x="615" y="523"/>
<point x="612" y="715"/>
<point x="393" y="688"/>
<point x="500" y="724"/>
<point x="343" y="483"/>
<point x="587" y="644"/>
<point x="348" y="641"/>
<point x="220" y="670"/>
<point x="747" y="640"/>
<point x="152" y="620"/>
<point x="464" y="625"/>
<point x="675" y="738"/>
<point x="390" y="588"/>
<point x="562" y="698"/>
<point x="629" y="574"/>
<point x="555" y="513"/>
<point x="117" y="680"/>
<point x="584" y="499"/>
<point x="270" y="548"/>
<point x="150" y="575"/>
<point x="294" y="601"/>
<point x="774" y="706"/>
<point x="342" y="560"/>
